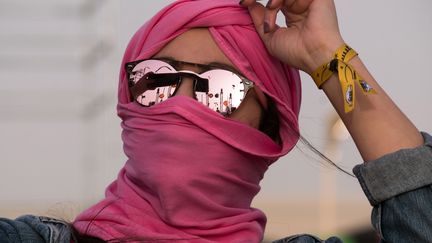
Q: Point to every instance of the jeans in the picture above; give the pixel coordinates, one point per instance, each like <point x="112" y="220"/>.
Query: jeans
<point x="397" y="185"/>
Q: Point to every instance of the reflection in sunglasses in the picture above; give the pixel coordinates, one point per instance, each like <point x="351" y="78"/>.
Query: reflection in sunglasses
<point x="153" y="81"/>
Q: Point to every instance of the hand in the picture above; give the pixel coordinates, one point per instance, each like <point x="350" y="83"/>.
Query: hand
<point x="311" y="36"/>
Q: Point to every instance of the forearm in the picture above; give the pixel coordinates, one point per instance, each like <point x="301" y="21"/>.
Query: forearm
<point x="312" y="36"/>
<point x="376" y="124"/>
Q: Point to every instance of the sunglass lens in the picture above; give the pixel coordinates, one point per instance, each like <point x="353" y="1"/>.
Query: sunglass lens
<point x="155" y="81"/>
<point x="153" y="89"/>
<point x="226" y="91"/>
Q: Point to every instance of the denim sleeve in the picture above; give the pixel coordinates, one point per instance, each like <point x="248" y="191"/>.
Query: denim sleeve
<point x="34" y="229"/>
<point x="306" y="238"/>
<point x="399" y="186"/>
<point x="15" y="231"/>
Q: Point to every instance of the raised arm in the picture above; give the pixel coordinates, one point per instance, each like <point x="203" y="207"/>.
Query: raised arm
<point x="398" y="179"/>
<point x="376" y="124"/>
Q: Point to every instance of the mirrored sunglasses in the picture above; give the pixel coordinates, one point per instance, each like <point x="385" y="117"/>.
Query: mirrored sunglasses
<point x="152" y="81"/>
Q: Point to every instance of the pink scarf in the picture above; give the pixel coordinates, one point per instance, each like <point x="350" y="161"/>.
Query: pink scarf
<point x="191" y="174"/>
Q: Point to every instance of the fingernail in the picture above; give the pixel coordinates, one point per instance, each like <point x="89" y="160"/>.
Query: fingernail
<point x="269" y="3"/>
<point x="266" y="28"/>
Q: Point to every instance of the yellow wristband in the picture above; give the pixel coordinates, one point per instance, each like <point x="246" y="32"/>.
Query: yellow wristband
<point x="346" y="73"/>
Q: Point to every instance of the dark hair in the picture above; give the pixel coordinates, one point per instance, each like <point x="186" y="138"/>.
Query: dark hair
<point x="270" y="125"/>
<point x="79" y="238"/>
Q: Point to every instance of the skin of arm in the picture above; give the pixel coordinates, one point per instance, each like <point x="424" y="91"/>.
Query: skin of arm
<point x="377" y="126"/>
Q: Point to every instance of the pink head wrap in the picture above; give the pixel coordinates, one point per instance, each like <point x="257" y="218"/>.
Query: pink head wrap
<point x="191" y="173"/>
<point x="234" y="32"/>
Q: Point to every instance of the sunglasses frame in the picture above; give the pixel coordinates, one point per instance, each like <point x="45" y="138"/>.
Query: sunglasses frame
<point x="129" y="66"/>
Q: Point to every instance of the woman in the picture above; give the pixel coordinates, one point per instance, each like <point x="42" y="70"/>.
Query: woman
<point x="193" y="170"/>
<point x="194" y="167"/>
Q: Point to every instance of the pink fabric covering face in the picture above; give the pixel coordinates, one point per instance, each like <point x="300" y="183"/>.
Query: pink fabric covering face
<point x="191" y="174"/>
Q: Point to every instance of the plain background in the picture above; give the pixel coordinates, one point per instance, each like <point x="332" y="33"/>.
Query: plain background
<point x="60" y="136"/>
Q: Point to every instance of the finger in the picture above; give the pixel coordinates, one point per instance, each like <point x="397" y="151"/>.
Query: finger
<point x="298" y="6"/>
<point x="257" y="12"/>
<point x="274" y="6"/>
<point x="247" y="3"/>
<point x="270" y="16"/>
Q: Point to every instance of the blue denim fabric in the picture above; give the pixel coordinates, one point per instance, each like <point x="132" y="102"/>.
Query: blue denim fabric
<point x="396" y="173"/>
<point x="34" y="229"/>
<point x="399" y="186"/>
<point x="305" y="238"/>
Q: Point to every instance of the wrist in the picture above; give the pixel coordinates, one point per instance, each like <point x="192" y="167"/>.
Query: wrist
<point x="321" y="55"/>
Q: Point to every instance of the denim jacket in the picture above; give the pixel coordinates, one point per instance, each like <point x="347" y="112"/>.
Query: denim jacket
<point x="397" y="185"/>
<point x="34" y="229"/>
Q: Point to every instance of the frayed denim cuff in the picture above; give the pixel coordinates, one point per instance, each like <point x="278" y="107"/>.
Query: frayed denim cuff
<point x="396" y="173"/>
